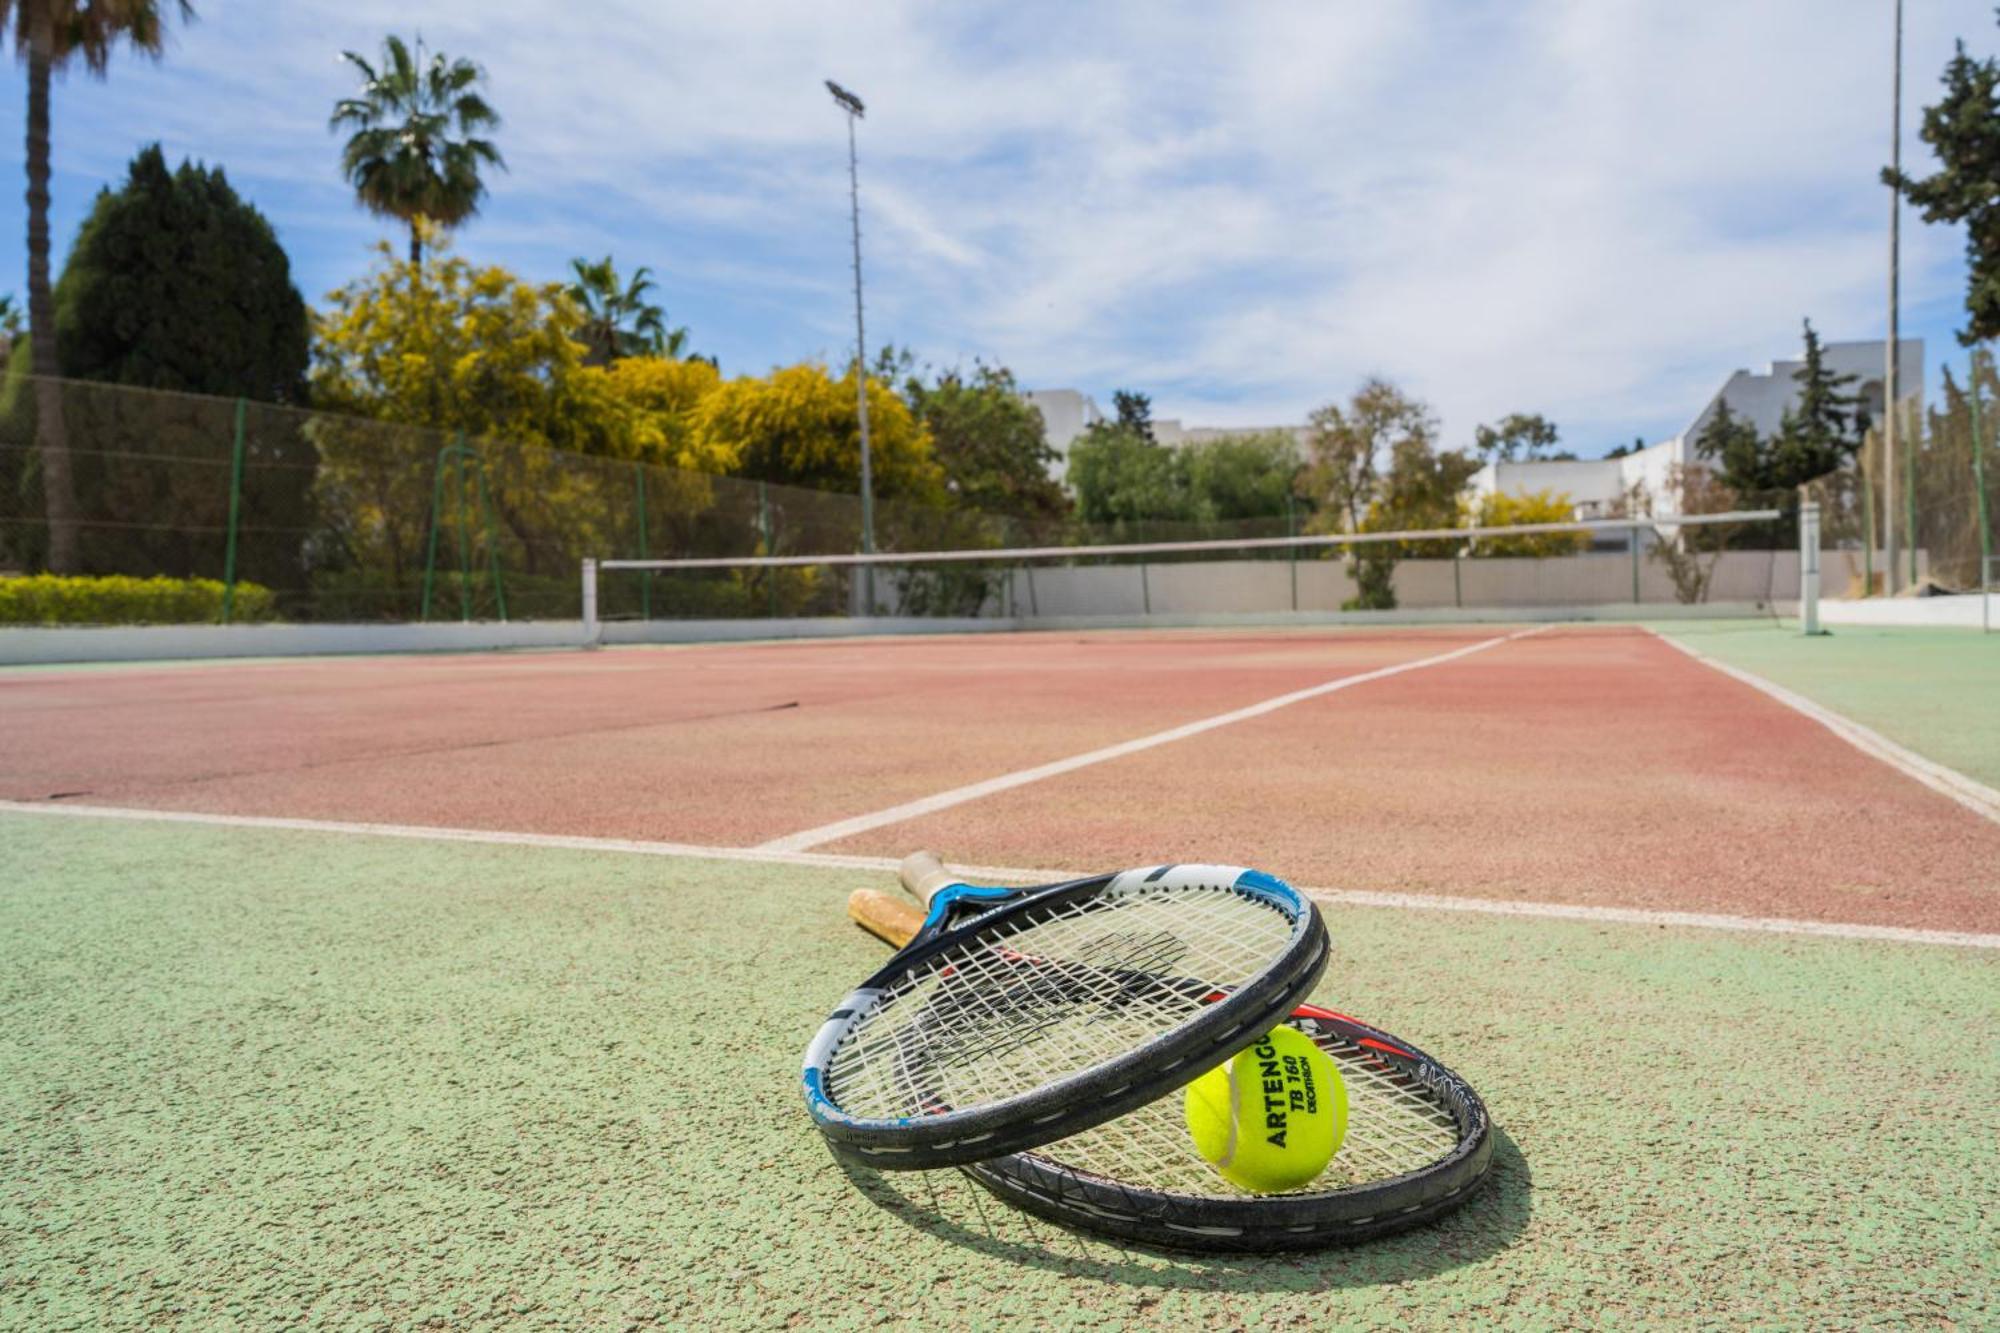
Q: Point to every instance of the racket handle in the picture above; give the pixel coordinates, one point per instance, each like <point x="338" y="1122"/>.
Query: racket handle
<point x="923" y="875"/>
<point x="889" y="919"/>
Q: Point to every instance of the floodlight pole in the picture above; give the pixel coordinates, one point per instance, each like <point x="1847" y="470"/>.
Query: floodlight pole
<point x="851" y="104"/>
<point x="1889" y="535"/>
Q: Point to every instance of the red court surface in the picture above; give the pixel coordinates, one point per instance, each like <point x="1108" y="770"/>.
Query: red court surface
<point x="1578" y="765"/>
<point x="728" y="744"/>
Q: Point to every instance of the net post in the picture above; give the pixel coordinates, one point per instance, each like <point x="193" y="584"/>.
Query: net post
<point x="1292" y="530"/>
<point x="1809" y="567"/>
<point x="590" y="626"/>
<point x="235" y="508"/>
<point x="1145" y="590"/>
<point x="1632" y="545"/>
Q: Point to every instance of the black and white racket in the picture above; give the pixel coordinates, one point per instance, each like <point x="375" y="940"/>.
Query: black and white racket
<point x="1015" y="1017"/>
<point x="1418" y="1143"/>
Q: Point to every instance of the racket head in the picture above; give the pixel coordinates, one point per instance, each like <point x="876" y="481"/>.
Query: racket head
<point x="1419" y="1143"/>
<point x="1055" y="1009"/>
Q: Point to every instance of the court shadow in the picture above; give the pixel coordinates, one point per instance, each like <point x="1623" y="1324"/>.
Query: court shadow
<point x="954" y="1209"/>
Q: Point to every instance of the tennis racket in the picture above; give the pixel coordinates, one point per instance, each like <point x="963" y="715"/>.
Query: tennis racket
<point x="1418" y="1143"/>
<point x="1014" y="1017"/>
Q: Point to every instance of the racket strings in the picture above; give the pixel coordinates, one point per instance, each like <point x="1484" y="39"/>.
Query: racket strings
<point x="1037" y="999"/>
<point x="1396" y="1125"/>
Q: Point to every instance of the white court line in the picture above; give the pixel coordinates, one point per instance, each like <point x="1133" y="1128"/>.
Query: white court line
<point x="896" y="814"/>
<point x="1419" y="902"/>
<point x="1974" y="795"/>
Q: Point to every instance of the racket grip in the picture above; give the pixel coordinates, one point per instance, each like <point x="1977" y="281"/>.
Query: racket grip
<point x="889" y="919"/>
<point x="923" y="875"/>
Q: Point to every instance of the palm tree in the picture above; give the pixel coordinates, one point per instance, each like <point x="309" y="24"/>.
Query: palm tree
<point x="402" y="158"/>
<point x="618" y="321"/>
<point x="47" y="35"/>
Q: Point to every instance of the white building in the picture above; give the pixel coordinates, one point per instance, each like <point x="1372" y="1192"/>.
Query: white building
<point x="1595" y="485"/>
<point x="1067" y="414"/>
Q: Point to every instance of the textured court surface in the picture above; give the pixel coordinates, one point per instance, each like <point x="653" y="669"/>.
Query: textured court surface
<point x="1934" y="690"/>
<point x="1598" y="767"/>
<point x="273" y="1077"/>
<point x="255" y="1077"/>
<point x="722" y="744"/>
<point x="1594" y="766"/>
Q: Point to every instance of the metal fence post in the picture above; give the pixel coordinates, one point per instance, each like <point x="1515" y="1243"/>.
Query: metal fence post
<point x="492" y="536"/>
<point x="646" y="576"/>
<point x="1632" y="543"/>
<point x="770" y="547"/>
<point x="464" y="536"/>
<point x="1915" y="442"/>
<point x="1979" y="488"/>
<point x="1867" y="534"/>
<point x="235" y="509"/>
<point x="437" y="519"/>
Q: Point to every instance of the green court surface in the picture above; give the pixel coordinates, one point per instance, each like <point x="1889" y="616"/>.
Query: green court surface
<point x="1936" y="691"/>
<point x="256" y="1077"/>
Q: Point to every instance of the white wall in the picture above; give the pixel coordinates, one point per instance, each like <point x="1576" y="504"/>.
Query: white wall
<point x="1962" y="612"/>
<point x="1266" y="586"/>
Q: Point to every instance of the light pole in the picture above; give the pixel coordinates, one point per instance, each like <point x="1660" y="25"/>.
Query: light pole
<point x="851" y="104"/>
<point x="1889" y="384"/>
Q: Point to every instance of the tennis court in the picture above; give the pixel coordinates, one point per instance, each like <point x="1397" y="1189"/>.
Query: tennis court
<point x="441" y="989"/>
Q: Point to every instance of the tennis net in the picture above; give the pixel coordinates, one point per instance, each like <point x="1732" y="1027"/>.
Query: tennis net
<point x="1728" y="563"/>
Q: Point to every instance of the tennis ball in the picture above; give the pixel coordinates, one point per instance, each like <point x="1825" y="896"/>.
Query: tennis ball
<point x="1272" y="1117"/>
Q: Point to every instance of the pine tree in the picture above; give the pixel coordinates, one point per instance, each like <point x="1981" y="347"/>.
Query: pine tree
<point x="1963" y="130"/>
<point x="176" y="283"/>
<point x="1820" y="431"/>
<point x="1731" y="444"/>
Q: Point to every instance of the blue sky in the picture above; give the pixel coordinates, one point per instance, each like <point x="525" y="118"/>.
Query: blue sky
<point x="1591" y="210"/>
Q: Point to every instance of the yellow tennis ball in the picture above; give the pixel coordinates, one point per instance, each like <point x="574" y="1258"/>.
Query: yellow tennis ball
<point x="1272" y="1117"/>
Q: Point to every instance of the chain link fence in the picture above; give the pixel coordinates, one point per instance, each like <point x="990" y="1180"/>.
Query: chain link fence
<point x="1947" y="493"/>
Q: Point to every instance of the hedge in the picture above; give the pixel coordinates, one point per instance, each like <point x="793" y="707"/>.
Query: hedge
<point x="117" y="599"/>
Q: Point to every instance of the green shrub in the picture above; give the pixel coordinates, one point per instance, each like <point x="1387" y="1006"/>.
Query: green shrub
<point x="116" y="599"/>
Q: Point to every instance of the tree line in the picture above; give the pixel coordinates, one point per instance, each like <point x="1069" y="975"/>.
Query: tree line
<point x="595" y="366"/>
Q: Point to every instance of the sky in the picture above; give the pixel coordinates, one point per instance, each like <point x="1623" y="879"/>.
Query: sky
<point x="1593" y="211"/>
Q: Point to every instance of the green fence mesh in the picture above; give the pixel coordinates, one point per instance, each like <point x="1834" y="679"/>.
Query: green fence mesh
<point x="1947" y="494"/>
<point x="348" y="519"/>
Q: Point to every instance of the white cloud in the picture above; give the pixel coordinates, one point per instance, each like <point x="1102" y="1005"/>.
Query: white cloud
<point x="1592" y="210"/>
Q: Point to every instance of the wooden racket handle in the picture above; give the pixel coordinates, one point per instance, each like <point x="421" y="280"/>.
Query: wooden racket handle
<point x="923" y="875"/>
<point x="889" y="919"/>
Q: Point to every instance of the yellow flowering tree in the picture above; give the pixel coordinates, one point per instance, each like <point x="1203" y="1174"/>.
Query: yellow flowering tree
<point x="446" y="350"/>
<point x="799" y="426"/>
<point x="646" y="409"/>
<point x="1499" y="510"/>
